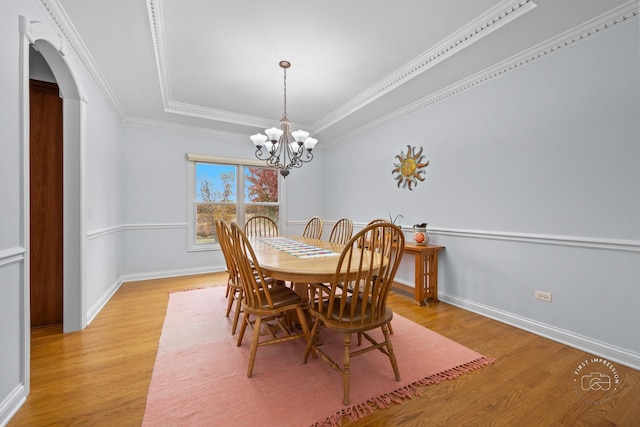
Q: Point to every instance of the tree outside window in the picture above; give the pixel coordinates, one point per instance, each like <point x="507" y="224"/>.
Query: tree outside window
<point x="261" y="195"/>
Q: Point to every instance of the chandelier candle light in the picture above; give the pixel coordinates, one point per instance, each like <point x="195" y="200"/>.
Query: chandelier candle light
<point x="281" y="152"/>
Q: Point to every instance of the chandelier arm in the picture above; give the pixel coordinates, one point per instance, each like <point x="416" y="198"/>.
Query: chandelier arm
<point x="271" y="159"/>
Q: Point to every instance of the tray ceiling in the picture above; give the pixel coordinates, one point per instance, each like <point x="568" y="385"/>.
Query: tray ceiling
<point x="212" y="66"/>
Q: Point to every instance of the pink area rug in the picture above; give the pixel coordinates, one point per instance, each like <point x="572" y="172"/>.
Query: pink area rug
<point x="200" y="375"/>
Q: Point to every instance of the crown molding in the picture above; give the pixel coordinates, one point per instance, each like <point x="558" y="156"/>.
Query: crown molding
<point x="156" y="20"/>
<point x="622" y="14"/>
<point x="59" y="17"/>
<point x="219" y="115"/>
<point x="192" y="130"/>
<point x="476" y="30"/>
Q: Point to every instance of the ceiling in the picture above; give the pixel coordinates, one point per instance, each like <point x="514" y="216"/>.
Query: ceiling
<point x="212" y="65"/>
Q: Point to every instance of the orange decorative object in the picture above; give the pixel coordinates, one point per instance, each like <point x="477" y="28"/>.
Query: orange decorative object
<point x="420" y="236"/>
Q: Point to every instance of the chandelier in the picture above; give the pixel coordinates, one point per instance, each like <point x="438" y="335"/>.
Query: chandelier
<point x="281" y="152"/>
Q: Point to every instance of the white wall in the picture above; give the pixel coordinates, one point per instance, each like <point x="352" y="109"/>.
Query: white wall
<point x="532" y="185"/>
<point x="155" y="177"/>
<point x="155" y="195"/>
<point x="305" y="189"/>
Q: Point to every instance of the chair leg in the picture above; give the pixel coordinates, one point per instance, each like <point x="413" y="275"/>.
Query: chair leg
<point x="346" y="373"/>
<point x="245" y="321"/>
<point x="230" y="299"/>
<point x="226" y="294"/>
<point x="392" y="355"/>
<point x="303" y="322"/>
<point x="236" y="315"/>
<point x="312" y="335"/>
<point x="254" y="345"/>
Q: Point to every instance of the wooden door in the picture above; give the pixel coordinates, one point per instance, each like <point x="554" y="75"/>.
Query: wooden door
<point x="46" y="203"/>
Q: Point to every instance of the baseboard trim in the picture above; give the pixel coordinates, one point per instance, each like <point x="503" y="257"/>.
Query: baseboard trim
<point x="12" y="404"/>
<point x="589" y="345"/>
<point x="102" y="302"/>
<point x="171" y="273"/>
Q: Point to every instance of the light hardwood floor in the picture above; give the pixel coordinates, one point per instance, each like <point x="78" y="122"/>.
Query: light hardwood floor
<point x="100" y="376"/>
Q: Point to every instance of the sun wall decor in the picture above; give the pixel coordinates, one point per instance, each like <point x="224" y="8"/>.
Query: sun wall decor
<point x="409" y="168"/>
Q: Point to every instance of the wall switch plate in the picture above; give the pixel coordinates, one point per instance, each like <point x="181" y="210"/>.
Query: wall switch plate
<point x="543" y="296"/>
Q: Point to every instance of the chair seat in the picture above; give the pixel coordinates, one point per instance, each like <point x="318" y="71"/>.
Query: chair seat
<point x="354" y="323"/>
<point x="281" y="296"/>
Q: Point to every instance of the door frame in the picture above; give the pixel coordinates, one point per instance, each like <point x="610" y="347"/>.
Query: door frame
<point x="50" y="46"/>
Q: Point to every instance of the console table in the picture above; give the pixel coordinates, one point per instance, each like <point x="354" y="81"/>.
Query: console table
<point x="426" y="271"/>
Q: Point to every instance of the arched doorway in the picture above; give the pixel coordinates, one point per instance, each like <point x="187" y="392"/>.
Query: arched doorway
<point x="49" y="45"/>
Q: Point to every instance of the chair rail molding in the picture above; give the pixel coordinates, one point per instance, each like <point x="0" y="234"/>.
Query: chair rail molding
<point x="11" y="255"/>
<point x="546" y="239"/>
<point x="100" y="232"/>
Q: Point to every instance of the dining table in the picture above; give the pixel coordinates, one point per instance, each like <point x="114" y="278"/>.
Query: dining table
<point x="297" y="259"/>
<point x="304" y="260"/>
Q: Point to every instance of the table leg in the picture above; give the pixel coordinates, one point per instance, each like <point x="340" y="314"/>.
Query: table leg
<point x="419" y="279"/>
<point x="426" y="277"/>
<point x="302" y="289"/>
<point x="431" y="276"/>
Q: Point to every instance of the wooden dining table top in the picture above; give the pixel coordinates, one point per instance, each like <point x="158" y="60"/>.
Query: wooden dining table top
<point x="297" y="258"/>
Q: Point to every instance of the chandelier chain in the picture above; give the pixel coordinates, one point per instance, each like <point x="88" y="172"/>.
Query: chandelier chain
<point x="285" y="92"/>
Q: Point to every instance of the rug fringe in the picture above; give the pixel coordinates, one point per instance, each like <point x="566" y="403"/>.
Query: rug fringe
<point x="361" y="410"/>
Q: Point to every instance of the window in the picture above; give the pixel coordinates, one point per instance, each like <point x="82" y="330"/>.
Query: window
<point x="214" y="188"/>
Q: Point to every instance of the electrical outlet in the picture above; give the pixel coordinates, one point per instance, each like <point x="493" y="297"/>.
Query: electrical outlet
<point x="543" y="296"/>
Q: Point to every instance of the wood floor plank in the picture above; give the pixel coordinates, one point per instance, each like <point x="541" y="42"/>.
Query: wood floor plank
<point x="100" y="376"/>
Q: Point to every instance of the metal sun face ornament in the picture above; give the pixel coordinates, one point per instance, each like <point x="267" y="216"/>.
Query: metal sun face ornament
<point x="409" y="168"/>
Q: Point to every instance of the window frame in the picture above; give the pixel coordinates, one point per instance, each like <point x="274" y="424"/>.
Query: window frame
<point x="240" y="164"/>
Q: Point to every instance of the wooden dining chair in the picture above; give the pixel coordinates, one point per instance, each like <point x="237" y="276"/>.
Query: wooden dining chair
<point x="342" y="231"/>
<point x="264" y="306"/>
<point x="377" y="220"/>
<point x="367" y="265"/>
<point x="234" y="287"/>
<point x="313" y="229"/>
<point x="262" y="226"/>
